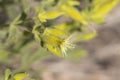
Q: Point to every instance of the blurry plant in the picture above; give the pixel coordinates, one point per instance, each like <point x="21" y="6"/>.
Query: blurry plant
<point x="56" y="39"/>
<point x="56" y="25"/>
<point x="16" y="76"/>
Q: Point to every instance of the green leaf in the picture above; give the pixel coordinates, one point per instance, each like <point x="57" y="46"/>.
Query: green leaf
<point x="48" y="15"/>
<point x="74" y="14"/>
<point x="100" y="11"/>
<point x="36" y="32"/>
<point x="19" y="19"/>
<point x="78" y="54"/>
<point x="7" y="74"/>
<point x="20" y="76"/>
<point x="86" y="36"/>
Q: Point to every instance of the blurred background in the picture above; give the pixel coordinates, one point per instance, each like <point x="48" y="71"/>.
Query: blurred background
<point x="98" y="59"/>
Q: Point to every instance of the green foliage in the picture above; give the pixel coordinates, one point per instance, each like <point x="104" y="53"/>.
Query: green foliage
<point x="30" y="32"/>
<point x="17" y="76"/>
<point x="49" y="12"/>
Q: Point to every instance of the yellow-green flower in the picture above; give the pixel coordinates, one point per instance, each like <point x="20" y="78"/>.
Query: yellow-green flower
<point x="56" y="41"/>
<point x="66" y="44"/>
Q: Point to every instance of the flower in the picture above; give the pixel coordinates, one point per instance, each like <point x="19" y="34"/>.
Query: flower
<point x="66" y="44"/>
<point x="56" y="41"/>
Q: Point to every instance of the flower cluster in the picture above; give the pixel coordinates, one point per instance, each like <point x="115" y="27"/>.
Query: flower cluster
<point x="56" y="38"/>
<point x="57" y="41"/>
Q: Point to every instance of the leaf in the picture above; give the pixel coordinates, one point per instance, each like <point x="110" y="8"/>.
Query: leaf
<point x="19" y="19"/>
<point x="22" y="17"/>
<point x="100" y="12"/>
<point x="49" y="15"/>
<point x="37" y="31"/>
<point x="62" y="27"/>
<point x="53" y="14"/>
<point x="13" y="29"/>
<point x="98" y="1"/>
<point x="73" y="2"/>
<point x="57" y="32"/>
<point x="86" y="36"/>
<point x="20" y="76"/>
<point x="74" y="14"/>
<point x="7" y="74"/>
<point x="41" y="16"/>
<point x="77" y="54"/>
